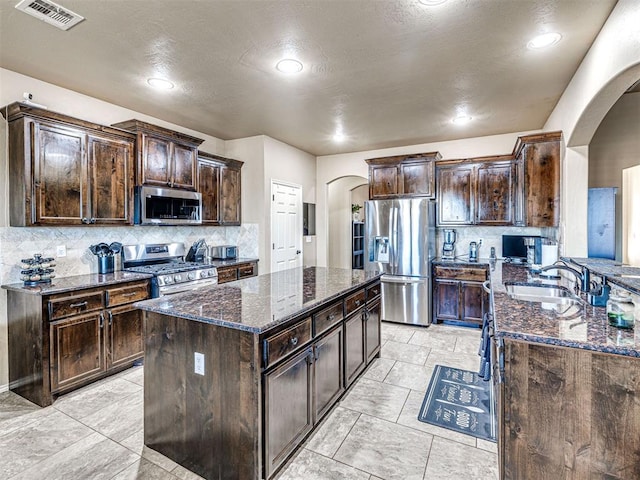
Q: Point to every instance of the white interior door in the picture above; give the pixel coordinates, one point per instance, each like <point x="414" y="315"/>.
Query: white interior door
<point x="631" y="215"/>
<point x="286" y="226"/>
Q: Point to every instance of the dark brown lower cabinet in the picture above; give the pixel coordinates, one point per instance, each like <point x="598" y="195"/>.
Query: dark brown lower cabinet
<point x="328" y="371"/>
<point x="262" y="393"/>
<point x="354" y="350"/>
<point x="63" y="341"/>
<point x="569" y="413"/>
<point x="77" y="350"/>
<point x="458" y="295"/>
<point x="288" y="392"/>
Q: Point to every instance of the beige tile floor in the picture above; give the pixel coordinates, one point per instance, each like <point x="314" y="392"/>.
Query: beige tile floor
<point x="373" y="433"/>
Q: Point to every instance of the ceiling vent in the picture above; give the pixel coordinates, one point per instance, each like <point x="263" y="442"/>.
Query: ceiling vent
<point x="53" y="14"/>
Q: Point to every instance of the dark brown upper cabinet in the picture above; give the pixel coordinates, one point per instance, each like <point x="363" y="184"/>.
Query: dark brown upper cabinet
<point x="477" y="191"/>
<point x="66" y="171"/>
<point x="219" y="182"/>
<point x="165" y="158"/>
<point x="537" y="200"/>
<point x="402" y="176"/>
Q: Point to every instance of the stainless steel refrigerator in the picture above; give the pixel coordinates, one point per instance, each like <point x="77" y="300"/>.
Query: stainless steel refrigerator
<point x="400" y="242"/>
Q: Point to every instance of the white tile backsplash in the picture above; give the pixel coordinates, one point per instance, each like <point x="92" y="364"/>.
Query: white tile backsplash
<point x="491" y="237"/>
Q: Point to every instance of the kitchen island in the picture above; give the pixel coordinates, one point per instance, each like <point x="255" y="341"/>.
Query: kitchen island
<point x="568" y="386"/>
<point x="237" y="376"/>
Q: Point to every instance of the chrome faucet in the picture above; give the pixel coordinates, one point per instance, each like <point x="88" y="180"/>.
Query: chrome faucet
<point x="582" y="277"/>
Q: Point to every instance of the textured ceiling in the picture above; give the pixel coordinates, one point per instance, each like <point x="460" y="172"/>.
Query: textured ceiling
<point x="388" y="72"/>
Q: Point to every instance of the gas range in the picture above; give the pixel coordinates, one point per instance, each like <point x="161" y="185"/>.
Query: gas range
<point x="171" y="274"/>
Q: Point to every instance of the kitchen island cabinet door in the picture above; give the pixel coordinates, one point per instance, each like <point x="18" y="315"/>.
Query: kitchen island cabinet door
<point x="288" y="408"/>
<point x="110" y="180"/>
<point x="354" y="352"/>
<point x="329" y="369"/>
<point x="59" y="183"/>
<point x="125" y="342"/>
<point x="77" y="350"/>
<point x="373" y="330"/>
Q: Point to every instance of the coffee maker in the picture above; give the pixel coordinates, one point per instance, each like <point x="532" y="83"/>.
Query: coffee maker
<point x="448" y="247"/>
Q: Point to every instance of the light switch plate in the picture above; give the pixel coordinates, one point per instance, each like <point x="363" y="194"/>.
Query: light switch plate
<point x="198" y="360"/>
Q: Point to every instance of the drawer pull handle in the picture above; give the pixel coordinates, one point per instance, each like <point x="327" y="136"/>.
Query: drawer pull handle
<point x="110" y="318"/>
<point x="294" y="341"/>
<point x="79" y="305"/>
<point x="129" y="294"/>
<point x="358" y="303"/>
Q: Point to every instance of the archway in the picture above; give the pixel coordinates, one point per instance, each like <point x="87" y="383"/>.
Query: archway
<point x="339" y="196"/>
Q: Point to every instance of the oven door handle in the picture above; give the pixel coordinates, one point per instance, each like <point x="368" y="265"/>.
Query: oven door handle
<point x="187" y="286"/>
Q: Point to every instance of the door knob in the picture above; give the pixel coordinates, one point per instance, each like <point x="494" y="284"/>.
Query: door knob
<point x="298" y="252"/>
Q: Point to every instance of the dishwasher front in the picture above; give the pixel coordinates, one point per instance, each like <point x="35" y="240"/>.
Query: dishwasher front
<point x="406" y="299"/>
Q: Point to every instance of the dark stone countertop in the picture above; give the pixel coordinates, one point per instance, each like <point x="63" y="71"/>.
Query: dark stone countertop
<point x="76" y="282"/>
<point x="578" y="326"/>
<point x="461" y="262"/>
<point x="624" y="276"/>
<point x="231" y="262"/>
<point x="258" y="304"/>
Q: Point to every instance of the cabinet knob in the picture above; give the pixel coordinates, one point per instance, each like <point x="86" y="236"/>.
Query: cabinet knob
<point x="294" y="341"/>
<point x="93" y="220"/>
<point x="84" y="220"/>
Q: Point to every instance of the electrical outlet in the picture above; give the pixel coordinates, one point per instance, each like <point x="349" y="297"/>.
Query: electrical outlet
<point x="198" y="361"/>
<point x="61" y="251"/>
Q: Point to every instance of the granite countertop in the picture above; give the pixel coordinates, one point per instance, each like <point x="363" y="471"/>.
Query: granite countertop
<point x="576" y="326"/>
<point x="624" y="276"/>
<point x="461" y="262"/>
<point x="231" y="262"/>
<point x="257" y="304"/>
<point x="68" y="284"/>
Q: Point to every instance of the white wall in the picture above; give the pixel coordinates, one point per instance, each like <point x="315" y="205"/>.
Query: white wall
<point x="610" y="67"/>
<point x="339" y="215"/>
<point x="269" y="159"/>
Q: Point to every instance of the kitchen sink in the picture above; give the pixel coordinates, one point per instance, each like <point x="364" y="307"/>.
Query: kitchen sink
<point x="532" y="292"/>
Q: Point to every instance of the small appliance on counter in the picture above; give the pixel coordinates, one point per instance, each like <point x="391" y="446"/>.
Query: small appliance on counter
<point x="473" y="251"/>
<point x="197" y="252"/>
<point x="223" y="252"/>
<point x="448" y="247"/>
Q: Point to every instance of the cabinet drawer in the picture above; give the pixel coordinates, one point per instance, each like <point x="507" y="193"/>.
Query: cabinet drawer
<point x="60" y="307"/>
<point x="285" y="342"/>
<point x="373" y="291"/>
<point x="127" y="294"/>
<point x="353" y="302"/>
<point x="227" y="274"/>
<point x="246" y="270"/>
<point x="327" y="317"/>
<point x="461" y="273"/>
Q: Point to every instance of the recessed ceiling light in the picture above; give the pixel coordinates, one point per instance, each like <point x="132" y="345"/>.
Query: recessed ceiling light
<point x="461" y="119"/>
<point x="544" y="40"/>
<point x="160" y="83"/>
<point x="339" y="137"/>
<point x="289" y="65"/>
<point x="431" y="3"/>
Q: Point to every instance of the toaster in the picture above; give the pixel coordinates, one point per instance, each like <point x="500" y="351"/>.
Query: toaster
<point x="223" y="252"/>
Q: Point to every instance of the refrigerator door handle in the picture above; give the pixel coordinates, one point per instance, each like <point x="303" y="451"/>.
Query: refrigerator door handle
<point x="394" y="224"/>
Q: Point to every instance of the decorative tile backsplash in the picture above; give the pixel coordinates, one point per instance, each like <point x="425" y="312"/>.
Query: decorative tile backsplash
<point x="491" y="237"/>
<point x="17" y="243"/>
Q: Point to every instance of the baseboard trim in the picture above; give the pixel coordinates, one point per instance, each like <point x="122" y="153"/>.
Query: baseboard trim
<point x="4" y="388"/>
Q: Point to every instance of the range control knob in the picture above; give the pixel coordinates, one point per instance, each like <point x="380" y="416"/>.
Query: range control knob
<point x="177" y="278"/>
<point x="191" y="275"/>
<point x="167" y="279"/>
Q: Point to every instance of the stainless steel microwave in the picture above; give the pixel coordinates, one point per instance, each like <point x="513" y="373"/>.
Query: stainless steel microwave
<point x="167" y="206"/>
